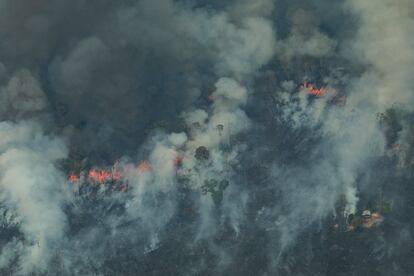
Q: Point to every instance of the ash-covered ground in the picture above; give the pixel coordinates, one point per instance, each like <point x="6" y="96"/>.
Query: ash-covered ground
<point x="178" y="137"/>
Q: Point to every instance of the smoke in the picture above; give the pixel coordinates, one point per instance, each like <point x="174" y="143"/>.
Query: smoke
<point x="32" y="188"/>
<point x="22" y="97"/>
<point x="204" y="137"/>
<point x="384" y="31"/>
<point x="305" y="38"/>
<point x="348" y="139"/>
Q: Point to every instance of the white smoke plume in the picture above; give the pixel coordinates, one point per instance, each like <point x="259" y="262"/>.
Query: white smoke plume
<point x="32" y="187"/>
<point x="204" y="137"/>
<point x="305" y="39"/>
<point x="384" y="43"/>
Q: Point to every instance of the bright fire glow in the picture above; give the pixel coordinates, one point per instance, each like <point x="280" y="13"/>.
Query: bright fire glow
<point x="117" y="174"/>
<point x="73" y="178"/>
<point x="143" y="166"/>
<point x="100" y="176"/>
<point x="317" y="92"/>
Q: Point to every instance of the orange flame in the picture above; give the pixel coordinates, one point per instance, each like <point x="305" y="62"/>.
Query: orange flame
<point x="99" y="176"/>
<point x="310" y="89"/>
<point x="143" y="166"/>
<point x="116" y="174"/>
<point x="73" y="178"/>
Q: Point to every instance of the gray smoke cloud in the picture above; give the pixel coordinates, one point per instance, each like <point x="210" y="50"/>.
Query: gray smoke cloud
<point x="199" y="117"/>
<point x="33" y="188"/>
<point x="385" y="31"/>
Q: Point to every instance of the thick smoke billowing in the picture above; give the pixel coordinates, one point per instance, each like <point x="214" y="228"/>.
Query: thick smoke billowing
<point x="174" y="137"/>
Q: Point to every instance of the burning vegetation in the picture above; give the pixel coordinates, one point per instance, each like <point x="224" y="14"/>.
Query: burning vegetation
<point x="260" y="126"/>
<point x="365" y="220"/>
<point x="312" y="90"/>
<point x="324" y="92"/>
<point x="116" y="178"/>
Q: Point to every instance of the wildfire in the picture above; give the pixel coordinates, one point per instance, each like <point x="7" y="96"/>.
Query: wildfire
<point x="73" y="178"/>
<point x="143" y="166"/>
<point x="100" y="176"/>
<point x="312" y="90"/>
<point x="375" y="220"/>
<point x="334" y="98"/>
<point x="117" y="173"/>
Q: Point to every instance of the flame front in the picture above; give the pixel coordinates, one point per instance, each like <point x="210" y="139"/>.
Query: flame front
<point x="143" y="167"/>
<point x="317" y="92"/>
<point x="99" y="176"/>
<point x="116" y="174"/>
<point x="73" y="178"/>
